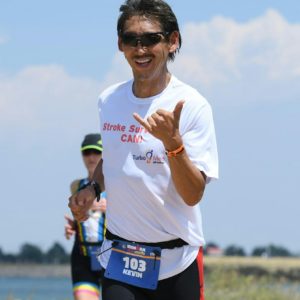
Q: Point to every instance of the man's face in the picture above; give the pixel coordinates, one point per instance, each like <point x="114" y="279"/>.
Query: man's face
<point x="147" y="61"/>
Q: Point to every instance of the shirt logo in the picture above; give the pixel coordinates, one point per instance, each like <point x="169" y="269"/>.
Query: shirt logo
<point x="150" y="157"/>
<point x="127" y="134"/>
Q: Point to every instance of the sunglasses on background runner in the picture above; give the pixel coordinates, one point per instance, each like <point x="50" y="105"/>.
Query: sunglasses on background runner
<point x="146" y="39"/>
<point x="89" y="152"/>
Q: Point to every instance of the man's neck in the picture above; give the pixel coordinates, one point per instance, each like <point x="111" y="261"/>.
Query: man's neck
<point x="150" y="87"/>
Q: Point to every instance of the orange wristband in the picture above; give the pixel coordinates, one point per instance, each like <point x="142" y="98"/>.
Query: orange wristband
<point x="175" y="152"/>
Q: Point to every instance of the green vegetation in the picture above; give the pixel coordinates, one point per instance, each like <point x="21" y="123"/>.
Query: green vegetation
<point x="30" y="253"/>
<point x="252" y="279"/>
<point x="56" y="254"/>
<point x="230" y="285"/>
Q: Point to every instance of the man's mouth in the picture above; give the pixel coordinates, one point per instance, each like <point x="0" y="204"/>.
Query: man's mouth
<point x="143" y="60"/>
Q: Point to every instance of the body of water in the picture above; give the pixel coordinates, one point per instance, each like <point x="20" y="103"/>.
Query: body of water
<point x="24" y="288"/>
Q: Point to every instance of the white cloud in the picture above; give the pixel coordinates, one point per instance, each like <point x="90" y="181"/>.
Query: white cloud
<point x="220" y="57"/>
<point x="46" y="97"/>
<point x="262" y="52"/>
<point x="222" y="47"/>
<point x="260" y="57"/>
<point x="119" y="70"/>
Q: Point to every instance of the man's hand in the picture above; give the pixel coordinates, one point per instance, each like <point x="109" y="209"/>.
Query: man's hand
<point x="99" y="205"/>
<point x="81" y="202"/>
<point x="164" y="125"/>
<point x="69" y="227"/>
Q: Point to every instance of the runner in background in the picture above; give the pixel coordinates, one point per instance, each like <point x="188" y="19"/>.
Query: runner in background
<point x="89" y="234"/>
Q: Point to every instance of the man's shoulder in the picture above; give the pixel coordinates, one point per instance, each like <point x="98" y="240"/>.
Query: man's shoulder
<point x="190" y="93"/>
<point x="115" y="88"/>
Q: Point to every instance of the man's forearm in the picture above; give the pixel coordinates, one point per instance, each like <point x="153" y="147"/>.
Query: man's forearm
<point x="188" y="180"/>
<point x="98" y="175"/>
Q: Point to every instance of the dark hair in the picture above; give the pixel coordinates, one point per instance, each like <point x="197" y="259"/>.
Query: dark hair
<point x="158" y="10"/>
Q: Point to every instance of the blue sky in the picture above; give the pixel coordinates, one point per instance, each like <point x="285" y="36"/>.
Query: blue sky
<point x="244" y="57"/>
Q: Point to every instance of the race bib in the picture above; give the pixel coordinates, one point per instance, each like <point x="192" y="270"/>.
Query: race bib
<point x="135" y="264"/>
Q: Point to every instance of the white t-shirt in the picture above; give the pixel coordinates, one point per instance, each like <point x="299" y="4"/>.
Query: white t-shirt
<point x="143" y="204"/>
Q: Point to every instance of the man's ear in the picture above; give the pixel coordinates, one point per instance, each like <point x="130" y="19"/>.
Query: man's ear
<point x="120" y="45"/>
<point x="173" y="41"/>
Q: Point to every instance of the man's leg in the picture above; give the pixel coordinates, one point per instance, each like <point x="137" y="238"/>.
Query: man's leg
<point x="115" y="290"/>
<point x="189" y="285"/>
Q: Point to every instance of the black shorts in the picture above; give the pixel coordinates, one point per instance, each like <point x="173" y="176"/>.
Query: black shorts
<point x="187" y="285"/>
<point x="84" y="279"/>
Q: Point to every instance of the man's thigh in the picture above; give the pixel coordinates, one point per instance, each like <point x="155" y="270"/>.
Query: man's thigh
<point x="187" y="285"/>
<point x="115" y="290"/>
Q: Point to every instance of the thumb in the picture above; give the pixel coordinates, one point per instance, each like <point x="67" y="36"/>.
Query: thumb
<point x="177" y="110"/>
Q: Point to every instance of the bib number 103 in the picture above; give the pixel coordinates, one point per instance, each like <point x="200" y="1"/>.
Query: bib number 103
<point x="134" y="264"/>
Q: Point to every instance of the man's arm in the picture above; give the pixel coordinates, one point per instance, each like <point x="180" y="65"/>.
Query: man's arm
<point x="99" y="178"/>
<point x="189" y="181"/>
<point x="98" y="175"/>
<point x="81" y="202"/>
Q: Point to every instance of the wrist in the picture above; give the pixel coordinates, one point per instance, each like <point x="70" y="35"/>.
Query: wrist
<point x="175" y="152"/>
<point x="172" y="143"/>
<point x="95" y="187"/>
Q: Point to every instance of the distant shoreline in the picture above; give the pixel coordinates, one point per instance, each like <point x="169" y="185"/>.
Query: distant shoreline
<point x="288" y="268"/>
<point x="34" y="270"/>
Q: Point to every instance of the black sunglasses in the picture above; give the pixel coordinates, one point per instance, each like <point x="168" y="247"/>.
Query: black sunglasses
<point x="146" y="39"/>
<point x="89" y="152"/>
